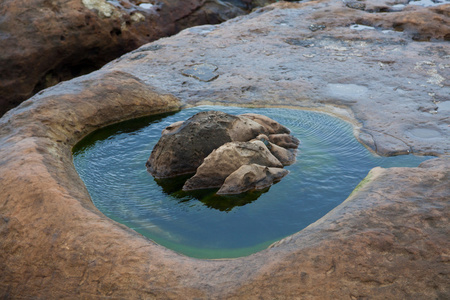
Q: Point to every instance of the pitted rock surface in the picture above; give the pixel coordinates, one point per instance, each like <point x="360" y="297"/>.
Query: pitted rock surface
<point x="353" y="67"/>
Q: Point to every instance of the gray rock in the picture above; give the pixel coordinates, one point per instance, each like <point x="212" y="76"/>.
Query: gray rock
<point x="202" y="72"/>
<point x="251" y="177"/>
<point x="227" y="159"/>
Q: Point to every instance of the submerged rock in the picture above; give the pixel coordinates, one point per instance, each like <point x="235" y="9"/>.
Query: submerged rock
<point x="251" y="177"/>
<point x="227" y="159"/>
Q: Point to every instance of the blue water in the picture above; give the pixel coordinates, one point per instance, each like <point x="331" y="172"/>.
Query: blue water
<point x="330" y="164"/>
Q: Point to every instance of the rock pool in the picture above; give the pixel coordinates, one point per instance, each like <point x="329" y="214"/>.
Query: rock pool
<point x="330" y="164"/>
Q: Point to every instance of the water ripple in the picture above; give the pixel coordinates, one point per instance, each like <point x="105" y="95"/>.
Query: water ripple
<point x="330" y="163"/>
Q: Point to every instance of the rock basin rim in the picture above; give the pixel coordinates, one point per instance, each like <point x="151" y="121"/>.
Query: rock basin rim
<point x="195" y="210"/>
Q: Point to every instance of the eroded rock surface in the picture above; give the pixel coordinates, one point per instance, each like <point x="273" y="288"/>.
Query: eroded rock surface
<point x="183" y="146"/>
<point x="285" y="156"/>
<point x="228" y="158"/>
<point x="214" y="144"/>
<point x="270" y="126"/>
<point x="350" y="64"/>
<point x="44" y="42"/>
<point x="251" y="177"/>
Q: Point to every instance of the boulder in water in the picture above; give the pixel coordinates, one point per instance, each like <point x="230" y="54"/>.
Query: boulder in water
<point x="227" y="159"/>
<point x="183" y="146"/>
<point x="251" y="177"/>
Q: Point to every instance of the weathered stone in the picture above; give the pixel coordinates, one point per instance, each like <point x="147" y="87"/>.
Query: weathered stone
<point x="355" y="5"/>
<point x="202" y="141"/>
<point x="172" y="128"/>
<point x="48" y="224"/>
<point x="228" y="158"/>
<point x="271" y="126"/>
<point x="422" y="24"/>
<point x="251" y="177"/>
<point x="202" y="72"/>
<point x="44" y="42"/>
<point x="285" y="156"/>
<point x="284" y="140"/>
<point x="183" y="149"/>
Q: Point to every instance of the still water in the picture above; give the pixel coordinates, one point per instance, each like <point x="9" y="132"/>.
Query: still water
<point x="330" y="164"/>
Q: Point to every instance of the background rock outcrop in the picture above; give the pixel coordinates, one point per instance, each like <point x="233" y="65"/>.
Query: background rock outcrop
<point x="44" y="42"/>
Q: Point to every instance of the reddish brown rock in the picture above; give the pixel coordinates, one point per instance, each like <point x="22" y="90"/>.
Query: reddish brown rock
<point x="44" y="42"/>
<point x="389" y="239"/>
<point x="422" y="24"/>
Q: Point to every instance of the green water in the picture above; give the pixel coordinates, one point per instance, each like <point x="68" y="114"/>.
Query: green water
<point x="330" y="164"/>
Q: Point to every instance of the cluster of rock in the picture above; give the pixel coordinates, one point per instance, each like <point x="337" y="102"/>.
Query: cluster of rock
<point x="233" y="153"/>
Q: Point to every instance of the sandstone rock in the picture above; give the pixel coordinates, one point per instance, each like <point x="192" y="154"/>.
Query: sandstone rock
<point x="228" y="158"/>
<point x="172" y="127"/>
<point x="183" y="149"/>
<point x="212" y="12"/>
<point x="421" y="24"/>
<point x="44" y="42"/>
<point x="284" y="140"/>
<point x="202" y="141"/>
<point x="271" y="126"/>
<point x="251" y="177"/>
<point x="285" y="156"/>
